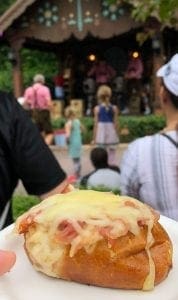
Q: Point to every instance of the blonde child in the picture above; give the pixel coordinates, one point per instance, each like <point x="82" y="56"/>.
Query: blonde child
<point x="106" y="123"/>
<point x="73" y="130"/>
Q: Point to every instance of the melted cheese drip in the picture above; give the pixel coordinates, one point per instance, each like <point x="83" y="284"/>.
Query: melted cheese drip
<point x="150" y="279"/>
<point x="96" y="209"/>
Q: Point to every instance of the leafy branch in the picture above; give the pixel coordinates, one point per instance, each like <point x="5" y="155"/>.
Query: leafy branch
<point x="165" y="11"/>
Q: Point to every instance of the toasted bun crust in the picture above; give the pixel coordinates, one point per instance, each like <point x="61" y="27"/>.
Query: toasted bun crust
<point x="115" y="262"/>
<point x="125" y="265"/>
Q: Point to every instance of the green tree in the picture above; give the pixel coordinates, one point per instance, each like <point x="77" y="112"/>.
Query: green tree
<point x="165" y="11"/>
<point x="5" y="70"/>
<point x="4" y="5"/>
<point x="35" y="61"/>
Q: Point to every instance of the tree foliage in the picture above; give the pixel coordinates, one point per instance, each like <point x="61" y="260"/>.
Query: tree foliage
<point x="4" y="5"/>
<point x="5" y="70"/>
<point x="165" y="11"/>
<point x="35" y="61"/>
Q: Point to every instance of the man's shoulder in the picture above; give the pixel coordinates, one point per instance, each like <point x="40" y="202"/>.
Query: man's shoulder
<point x="44" y="88"/>
<point x="140" y="148"/>
<point x="84" y="179"/>
<point x="106" y="177"/>
<point x="142" y="141"/>
<point x="7" y="112"/>
<point x="6" y="100"/>
<point x="29" y="88"/>
<point x="140" y="145"/>
<point x="104" y="172"/>
<point x="5" y="95"/>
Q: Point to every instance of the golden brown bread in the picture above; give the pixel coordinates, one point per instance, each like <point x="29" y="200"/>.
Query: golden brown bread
<point x="117" y="263"/>
<point x="124" y="265"/>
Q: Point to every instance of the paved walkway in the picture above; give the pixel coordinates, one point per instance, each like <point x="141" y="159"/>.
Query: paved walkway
<point x="66" y="163"/>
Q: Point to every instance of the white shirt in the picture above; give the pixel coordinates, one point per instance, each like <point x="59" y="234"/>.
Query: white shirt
<point x="104" y="177"/>
<point x="149" y="172"/>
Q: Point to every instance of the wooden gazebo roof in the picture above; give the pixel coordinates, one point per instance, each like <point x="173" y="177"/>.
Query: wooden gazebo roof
<point x="58" y="24"/>
<point x="16" y="10"/>
<point x="55" y="21"/>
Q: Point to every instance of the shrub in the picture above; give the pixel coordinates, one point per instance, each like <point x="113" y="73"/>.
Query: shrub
<point x="21" y="204"/>
<point x="141" y="126"/>
<point x="58" y="123"/>
<point x="130" y="127"/>
<point x="101" y="188"/>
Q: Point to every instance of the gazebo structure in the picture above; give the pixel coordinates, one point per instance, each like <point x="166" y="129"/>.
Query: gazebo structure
<point x="49" y="24"/>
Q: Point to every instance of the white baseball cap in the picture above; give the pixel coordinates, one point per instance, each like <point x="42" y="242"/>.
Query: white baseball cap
<point x="169" y="73"/>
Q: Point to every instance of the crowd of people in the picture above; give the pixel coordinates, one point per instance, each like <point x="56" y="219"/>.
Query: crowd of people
<point x="81" y="81"/>
<point x="148" y="169"/>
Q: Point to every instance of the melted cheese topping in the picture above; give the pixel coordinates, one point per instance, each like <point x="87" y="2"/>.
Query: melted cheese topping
<point x="98" y="210"/>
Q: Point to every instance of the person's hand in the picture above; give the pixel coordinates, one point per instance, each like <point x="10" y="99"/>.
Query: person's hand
<point x="7" y="260"/>
<point x="68" y="188"/>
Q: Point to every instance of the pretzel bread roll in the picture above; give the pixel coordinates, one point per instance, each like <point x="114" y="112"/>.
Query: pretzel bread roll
<point x="97" y="238"/>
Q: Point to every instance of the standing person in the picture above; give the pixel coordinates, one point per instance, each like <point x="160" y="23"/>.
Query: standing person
<point x="24" y="155"/>
<point x="102" y="72"/>
<point x="73" y="129"/>
<point x="79" y="76"/>
<point x="106" y="123"/>
<point x="135" y="67"/>
<point x="89" y="88"/>
<point x="59" y="86"/>
<point x="149" y="168"/>
<point x="38" y="99"/>
<point x="133" y="75"/>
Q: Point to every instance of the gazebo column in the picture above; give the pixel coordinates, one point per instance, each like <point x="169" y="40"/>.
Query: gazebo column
<point x="16" y="68"/>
